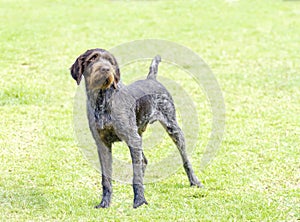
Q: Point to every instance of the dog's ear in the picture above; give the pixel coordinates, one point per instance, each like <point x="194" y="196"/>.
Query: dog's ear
<point x="77" y="69"/>
<point x="117" y="75"/>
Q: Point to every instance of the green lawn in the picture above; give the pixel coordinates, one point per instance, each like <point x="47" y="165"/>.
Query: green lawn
<point x="252" y="47"/>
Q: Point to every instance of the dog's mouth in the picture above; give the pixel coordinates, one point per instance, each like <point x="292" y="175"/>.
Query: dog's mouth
<point x="103" y="83"/>
<point x="107" y="83"/>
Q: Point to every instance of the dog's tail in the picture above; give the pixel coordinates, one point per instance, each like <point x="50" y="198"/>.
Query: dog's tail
<point x="154" y="67"/>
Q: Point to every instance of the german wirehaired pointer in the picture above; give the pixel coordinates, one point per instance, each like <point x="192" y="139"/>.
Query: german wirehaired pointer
<point x="121" y="113"/>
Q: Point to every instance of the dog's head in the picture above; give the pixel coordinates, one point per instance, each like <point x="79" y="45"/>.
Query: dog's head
<point x="99" y="68"/>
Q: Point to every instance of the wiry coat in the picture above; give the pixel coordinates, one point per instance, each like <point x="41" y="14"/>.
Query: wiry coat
<point x="121" y="113"/>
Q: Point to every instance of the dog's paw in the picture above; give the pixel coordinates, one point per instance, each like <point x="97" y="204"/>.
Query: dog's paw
<point x="196" y="183"/>
<point x="139" y="202"/>
<point x="199" y="185"/>
<point x="103" y="204"/>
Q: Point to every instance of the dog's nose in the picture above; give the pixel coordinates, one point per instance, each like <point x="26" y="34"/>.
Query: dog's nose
<point x="105" y="69"/>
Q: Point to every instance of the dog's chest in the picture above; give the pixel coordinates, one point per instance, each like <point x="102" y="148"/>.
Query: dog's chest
<point x="104" y="124"/>
<point x="102" y="112"/>
<point x="108" y="134"/>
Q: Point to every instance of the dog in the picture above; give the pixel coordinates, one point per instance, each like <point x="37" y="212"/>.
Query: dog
<point x="121" y="113"/>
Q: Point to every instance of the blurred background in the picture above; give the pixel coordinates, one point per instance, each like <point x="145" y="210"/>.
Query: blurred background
<point x="252" y="47"/>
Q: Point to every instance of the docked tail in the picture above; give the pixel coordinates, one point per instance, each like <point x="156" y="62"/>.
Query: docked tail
<point x="154" y="67"/>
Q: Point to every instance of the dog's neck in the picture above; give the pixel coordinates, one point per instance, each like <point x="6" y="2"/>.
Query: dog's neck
<point x="99" y="102"/>
<point x="99" y="99"/>
<point x="101" y="96"/>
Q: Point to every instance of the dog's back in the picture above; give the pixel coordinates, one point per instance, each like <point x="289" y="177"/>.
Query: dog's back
<point x="146" y="98"/>
<point x="148" y="87"/>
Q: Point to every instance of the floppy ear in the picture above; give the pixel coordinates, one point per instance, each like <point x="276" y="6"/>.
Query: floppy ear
<point x="117" y="75"/>
<point x="77" y="69"/>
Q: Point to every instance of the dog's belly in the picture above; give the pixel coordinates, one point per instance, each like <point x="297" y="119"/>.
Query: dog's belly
<point x="148" y="111"/>
<point x="145" y="100"/>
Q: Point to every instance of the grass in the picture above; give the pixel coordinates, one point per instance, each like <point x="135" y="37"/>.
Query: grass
<point x="252" y="48"/>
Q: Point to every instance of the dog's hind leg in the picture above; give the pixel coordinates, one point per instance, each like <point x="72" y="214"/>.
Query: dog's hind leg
<point x="171" y="126"/>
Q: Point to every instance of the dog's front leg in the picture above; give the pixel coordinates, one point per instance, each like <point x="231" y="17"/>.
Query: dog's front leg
<point x="123" y="123"/>
<point x="137" y="183"/>
<point x="137" y="163"/>
<point x="105" y="156"/>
